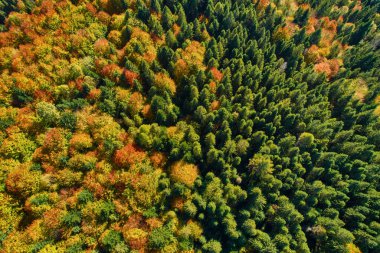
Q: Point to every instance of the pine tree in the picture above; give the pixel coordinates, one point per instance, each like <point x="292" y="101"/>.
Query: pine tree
<point x="316" y="37"/>
<point x="360" y="32"/>
<point x="167" y="18"/>
<point x="155" y="6"/>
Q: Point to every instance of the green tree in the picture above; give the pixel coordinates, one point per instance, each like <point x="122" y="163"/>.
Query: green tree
<point x="316" y="37"/>
<point x="47" y="114"/>
<point x="260" y="165"/>
<point x="306" y="140"/>
<point x="161" y="237"/>
<point x="112" y="241"/>
<point x="212" y="246"/>
<point x="155" y="6"/>
<point x="167" y="18"/>
<point x="360" y="32"/>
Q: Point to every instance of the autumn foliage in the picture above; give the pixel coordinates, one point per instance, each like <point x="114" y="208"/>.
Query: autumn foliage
<point x="128" y="156"/>
<point x="23" y="182"/>
<point x="330" y="67"/>
<point x="216" y="74"/>
<point x="130" y="77"/>
<point x="184" y="173"/>
<point x="189" y="126"/>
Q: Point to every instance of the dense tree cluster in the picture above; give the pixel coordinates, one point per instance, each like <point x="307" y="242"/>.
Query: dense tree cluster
<point x="189" y="126"/>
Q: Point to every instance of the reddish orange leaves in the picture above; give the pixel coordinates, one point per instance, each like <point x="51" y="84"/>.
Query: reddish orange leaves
<point x="216" y="74"/>
<point x="130" y="77"/>
<point x="128" y="156"/>
<point x="329" y="67"/>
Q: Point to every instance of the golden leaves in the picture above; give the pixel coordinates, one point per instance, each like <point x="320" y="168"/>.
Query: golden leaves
<point x="185" y="173"/>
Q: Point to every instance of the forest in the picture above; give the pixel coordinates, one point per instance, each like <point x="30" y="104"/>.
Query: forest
<point x="163" y="126"/>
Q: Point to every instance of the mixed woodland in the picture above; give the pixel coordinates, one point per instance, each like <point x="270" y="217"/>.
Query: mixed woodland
<point x="190" y="126"/>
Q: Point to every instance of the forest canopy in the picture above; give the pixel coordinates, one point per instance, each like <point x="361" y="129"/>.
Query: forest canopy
<point x="189" y="126"/>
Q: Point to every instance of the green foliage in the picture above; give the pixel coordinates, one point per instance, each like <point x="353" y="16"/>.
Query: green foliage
<point x="47" y="114"/>
<point x="82" y="163"/>
<point x="113" y="241"/>
<point x="190" y="209"/>
<point x="260" y="165"/>
<point x="85" y="196"/>
<point x="205" y="126"/>
<point x="306" y="140"/>
<point x="6" y="6"/>
<point x="67" y="120"/>
<point x="316" y="37"/>
<point x="71" y="219"/>
<point x="105" y="210"/>
<point x="161" y="237"/>
<point x="167" y="18"/>
<point x="212" y="247"/>
<point x="20" y="97"/>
